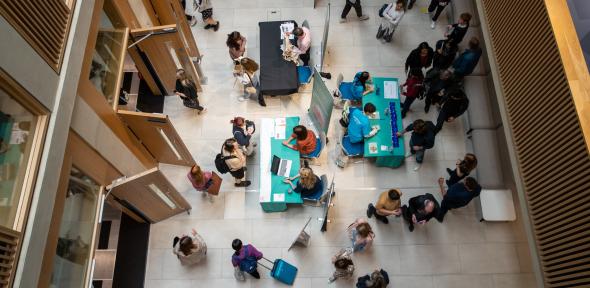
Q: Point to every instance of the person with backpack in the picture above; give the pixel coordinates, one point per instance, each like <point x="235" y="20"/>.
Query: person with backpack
<point x="243" y="130"/>
<point x="245" y="259"/>
<point x="343" y="264"/>
<point x="232" y="160"/>
<point x="189" y="250"/>
<point x="391" y="15"/>
<point x="414" y="88"/>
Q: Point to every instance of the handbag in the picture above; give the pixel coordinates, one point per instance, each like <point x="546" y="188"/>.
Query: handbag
<point x="239" y="274"/>
<point x="214" y="184"/>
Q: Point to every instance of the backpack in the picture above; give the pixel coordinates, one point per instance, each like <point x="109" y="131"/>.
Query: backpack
<point x="220" y="163"/>
<point x="248" y="264"/>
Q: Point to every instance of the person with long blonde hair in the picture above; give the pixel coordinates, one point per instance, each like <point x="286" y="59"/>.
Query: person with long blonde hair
<point x="308" y="184"/>
<point x="187" y="91"/>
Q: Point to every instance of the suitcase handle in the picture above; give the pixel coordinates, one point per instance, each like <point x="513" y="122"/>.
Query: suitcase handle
<point x="268" y="261"/>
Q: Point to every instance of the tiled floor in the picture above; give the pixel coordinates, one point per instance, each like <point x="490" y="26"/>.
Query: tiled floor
<point x="462" y="252"/>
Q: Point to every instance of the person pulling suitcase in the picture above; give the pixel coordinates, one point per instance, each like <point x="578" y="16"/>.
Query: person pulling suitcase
<point x="245" y="259"/>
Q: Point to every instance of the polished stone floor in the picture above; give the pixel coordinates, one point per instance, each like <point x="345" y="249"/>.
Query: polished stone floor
<point x="462" y="252"/>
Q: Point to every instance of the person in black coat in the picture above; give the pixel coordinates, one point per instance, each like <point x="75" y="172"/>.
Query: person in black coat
<point x="457" y="195"/>
<point x="445" y="53"/>
<point x="420" y="57"/>
<point x="436" y="83"/>
<point x="420" y="209"/>
<point x="455" y="105"/>
<point x="422" y="137"/>
<point x="459" y="29"/>
<point x="378" y="279"/>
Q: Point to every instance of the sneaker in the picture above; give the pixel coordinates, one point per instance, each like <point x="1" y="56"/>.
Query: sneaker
<point x="364" y="17"/>
<point x="331" y="279"/>
<point x="216" y="27"/>
<point x="370" y="210"/>
<point x="243" y="98"/>
<point x="383" y="219"/>
<point x="411" y="227"/>
<point x="417" y="167"/>
<point x="432" y="25"/>
<point x="342" y="20"/>
<point x="262" y="102"/>
<point x="243" y="184"/>
<point x="208" y="26"/>
<point x="202" y="111"/>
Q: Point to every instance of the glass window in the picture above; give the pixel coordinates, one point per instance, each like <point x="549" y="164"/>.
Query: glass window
<point x="107" y="57"/>
<point x="17" y="131"/>
<point x="75" y="232"/>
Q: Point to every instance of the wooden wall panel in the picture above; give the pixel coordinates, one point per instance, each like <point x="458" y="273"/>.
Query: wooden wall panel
<point x="44" y="24"/>
<point x="550" y="146"/>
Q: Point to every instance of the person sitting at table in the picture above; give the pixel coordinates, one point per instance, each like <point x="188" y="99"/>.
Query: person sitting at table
<point x="309" y="183"/>
<point x="361" y="85"/>
<point x="422" y="138"/>
<point x="243" y="130"/>
<point x="303" y="43"/>
<point x="419" y="210"/>
<point x="457" y="195"/>
<point x="306" y="140"/>
<point x="359" y="127"/>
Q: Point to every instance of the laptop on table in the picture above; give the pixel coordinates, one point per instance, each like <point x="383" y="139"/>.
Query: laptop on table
<point x="280" y="167"/>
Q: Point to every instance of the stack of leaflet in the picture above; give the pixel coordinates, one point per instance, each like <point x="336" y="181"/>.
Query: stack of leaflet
<point x="392" y="112"/>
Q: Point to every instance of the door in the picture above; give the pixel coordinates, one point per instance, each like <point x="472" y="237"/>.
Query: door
<point x="157" y="134"/>
<point x="164" y="49"/>
<point x="149" y="195"/>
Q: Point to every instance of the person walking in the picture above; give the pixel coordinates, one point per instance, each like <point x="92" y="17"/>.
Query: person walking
<point x="420" y="58"/>
<point x="420" y="209"/>
<point x="462" y="169"/>
<point x="392" y="16"/>
<point x="422" y="138"/>
<point x="245" y="259"/>
<point x="456" y="32"/>
<point x="377" y="279"/>
<point x="436" y="7"/>
<point x="206" y="9"/>
<point x="357" y="7"/>
<point x="444" y="54"/>
<point x="242" y="130"/>
<point x="388" y="204"/>
<point x="236" y="161"/>
<point x="457" y="195"/>
<point x="414" y="87"/>
<point x="455" y="105"/>
<point x="343" y="264"/>
<point x="466" y="62"/>
<point x="436" y="83"/>
<point x="201" y="180"/>
<point x="361" y="235"/>
<point x="246" y="72"/>
<point x="236" y="43"/>
<point x="189" y="249"/>
<point x="187" y="91"/>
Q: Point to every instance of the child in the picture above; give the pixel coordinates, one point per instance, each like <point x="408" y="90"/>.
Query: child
<point x="343" y="264"/>
<point x="414" y="85"/>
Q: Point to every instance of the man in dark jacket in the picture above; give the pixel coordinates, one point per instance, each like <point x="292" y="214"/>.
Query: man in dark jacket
<point x="458" y="195"/>
<point x="467" y="61"/>
<point x="420" y="57"/>
<point x="422" y="137"/>
<point x="436" y="83"/>
<point x="420" y="209"/>
<point x="455" y="105"/>
<point x="444" y="55"/>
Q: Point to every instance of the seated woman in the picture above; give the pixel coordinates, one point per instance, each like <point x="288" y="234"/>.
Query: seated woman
<point x="361" y="86"/>
<point x="309" y="184"/>
<point x="190" y="250"/>
<point x="306" y="140"/>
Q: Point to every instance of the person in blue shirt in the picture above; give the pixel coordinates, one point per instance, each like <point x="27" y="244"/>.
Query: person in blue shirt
<point x="457" y="195"/>
<point x="467" y="61"/>
<point x="359" y="127"/>
<point x="361" y="85"/>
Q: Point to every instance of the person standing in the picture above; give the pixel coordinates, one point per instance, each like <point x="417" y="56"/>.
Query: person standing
<point x="206" y="9"/>
<point x="458" y="30"/>
<point x="343" y="263"/>
<point x="392" y="16"/>
<point x="466" y="62"/>
<point x="189" y="250"/>
<point x="361" y="235"/>
<point x="187" y="91"/>
<point x="303" y="44"/>
<point x="420" y="58"/>
<point x="388" y="204"/>
<point x="420" y="209"/>
<point x="245" y="258"/>
<point x="455" y="105"/>
<point x="359" y="127"/>
<point x="421" y="140"/>
<point x="462" y="169"/>
<point x="246" y="72"/>
<point x="242" y="130"/>
<point x="236" y="43"/>
<point x="306" y="140"/>
<point x="201" y="180"/>
<point x="236" y="161"/>
<point x="436" y="82"/>
<point x="357" y="7"/>
<point x="457" y="195"/>
<point x="444" y="54"/>
<point x="414" y="87"/>
<point x="377" y="279"/>
<point x="436" y="6"/>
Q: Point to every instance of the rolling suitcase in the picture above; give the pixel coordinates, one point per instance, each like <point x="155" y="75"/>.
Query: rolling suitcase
<point x="282" y="271"/>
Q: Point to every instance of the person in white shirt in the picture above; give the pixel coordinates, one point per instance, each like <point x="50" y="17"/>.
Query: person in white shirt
<point x="303" y="43"/>
<point x="392" y="16"/>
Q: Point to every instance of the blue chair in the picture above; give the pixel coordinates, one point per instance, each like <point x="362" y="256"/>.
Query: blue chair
<point x="352" y="149"/>
<point x="316" y="199"/>
<point x="320" y="144"/>
<point x="305" y="74"/>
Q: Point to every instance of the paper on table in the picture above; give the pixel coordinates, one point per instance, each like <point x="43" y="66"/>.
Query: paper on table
<point x="280" y="121"/>
<point x="287" y="27"/>
<point x="279" y="197"/>
<point x="372" y="147"/>
<point x="279" y="128"/>
<point x="390" y="88"/>
<point x="384" y="148"/>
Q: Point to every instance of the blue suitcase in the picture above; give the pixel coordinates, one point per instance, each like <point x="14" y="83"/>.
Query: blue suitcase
<point x="282" y="271"/>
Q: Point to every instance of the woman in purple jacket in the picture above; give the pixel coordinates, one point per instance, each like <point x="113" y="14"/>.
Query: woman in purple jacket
<point x="245" y="258"/>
